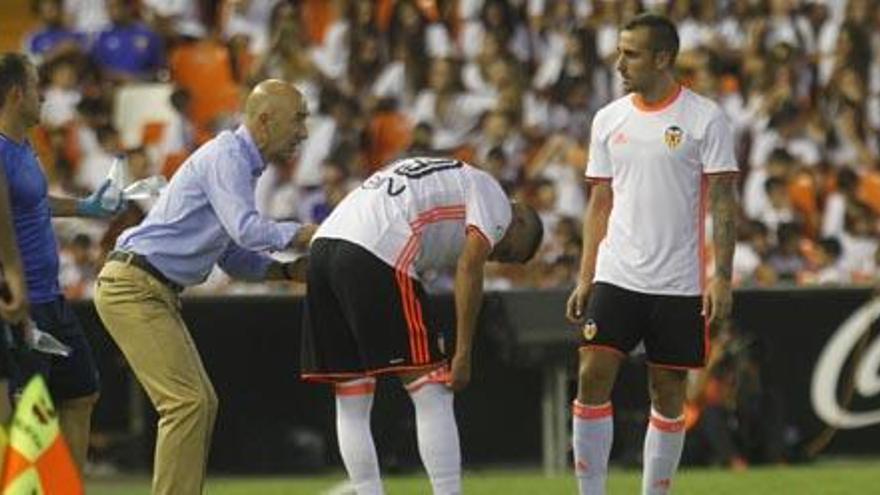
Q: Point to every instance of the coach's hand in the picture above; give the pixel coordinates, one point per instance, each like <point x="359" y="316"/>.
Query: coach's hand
<point x="460" y="372"/>
<point x="717" y="301"/>
<point x="303" y="237"/>
<point x="577" y="302"/>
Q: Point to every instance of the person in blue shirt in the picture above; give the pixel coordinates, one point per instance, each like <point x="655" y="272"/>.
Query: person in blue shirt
<point x="73" y="381"/>
<point x="13" y="293"/>
<point x="53" y="37"/>
<point x="205" y="216"/>
<point x="127" y="49"/>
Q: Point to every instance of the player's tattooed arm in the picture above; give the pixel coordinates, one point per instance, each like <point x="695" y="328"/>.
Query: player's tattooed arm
<point x="722" y="203"/>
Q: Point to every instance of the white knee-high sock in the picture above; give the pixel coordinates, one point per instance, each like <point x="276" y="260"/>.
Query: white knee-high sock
<point x="592" y="432"/>
<point x="354" y="400"/>
<point x="437" y="432"/>
<point x="663" y="445"/>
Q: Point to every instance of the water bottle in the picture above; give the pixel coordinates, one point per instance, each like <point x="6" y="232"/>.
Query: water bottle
<point x="117" y="176"/>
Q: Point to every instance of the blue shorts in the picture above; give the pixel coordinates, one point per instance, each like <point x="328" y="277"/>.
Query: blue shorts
<point x="68" y="377"/>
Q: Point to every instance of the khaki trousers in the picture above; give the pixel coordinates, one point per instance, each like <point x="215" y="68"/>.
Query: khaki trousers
<point x="143" y="317"/>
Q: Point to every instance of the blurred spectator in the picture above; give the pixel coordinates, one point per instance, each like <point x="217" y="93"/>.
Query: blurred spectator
<point x="422" y="143"/>
<point x="62" y="93"/>
<point x="179" y="135"/>
<point x="839" y="201"/>
<point x="127" y="49"/>
<point x="317" y="205"/>
<point x="859" y="241"/>
<point x="786" y="259"/>
<point x="174" y="18"/>
<point x="448" y="107"/>
<point x="249" y="19"/>
<point x="753" y="246"/>
<point x="501" y="20"/>
<point x="559" y="162"/>
<point x="78" y="268"/>
<point x="53" y="37"/>
<point x="338" y="122"/>
<point x="87" y="16"/>
<point x="95" y="165"/>
<point x="779" y="165"/>
<point x="827" y="269"/>
<point x="509" y="85"/>
<point x="785" y="130"/>
<point x="778" y="210"/>
<point x="287" y="56"/>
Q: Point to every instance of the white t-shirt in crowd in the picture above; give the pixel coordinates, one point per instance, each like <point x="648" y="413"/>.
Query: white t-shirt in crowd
<point x="413" y="213"/>
<point x="656" y="159"/>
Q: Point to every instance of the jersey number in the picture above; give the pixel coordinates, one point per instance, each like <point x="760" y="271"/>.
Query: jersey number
<point x="416" y="169"/>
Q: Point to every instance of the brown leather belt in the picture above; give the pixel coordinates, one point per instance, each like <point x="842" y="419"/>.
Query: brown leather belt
<point x="142" y="263"/>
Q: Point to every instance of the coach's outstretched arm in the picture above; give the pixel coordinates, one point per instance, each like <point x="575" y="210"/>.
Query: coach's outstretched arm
<point x="718" y="299"/>
<point x="468" y="299"/>
<point x="595" y="225"/>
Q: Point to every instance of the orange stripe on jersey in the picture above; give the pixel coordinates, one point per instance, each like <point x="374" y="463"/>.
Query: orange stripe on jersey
<point x="584" y="411"/>
<point x="402" y="278"/>
<point x="666" y="425"/>
<point x="415" y="320"/>
<point x="644" y="106"/>
<point x="436" y="214"/>
<point x="412" y="307"/>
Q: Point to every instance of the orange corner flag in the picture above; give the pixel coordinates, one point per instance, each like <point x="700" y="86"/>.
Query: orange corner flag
<point x="37" y="460"/>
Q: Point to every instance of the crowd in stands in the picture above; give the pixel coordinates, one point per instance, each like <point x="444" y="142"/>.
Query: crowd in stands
<point x="508" y="85"/>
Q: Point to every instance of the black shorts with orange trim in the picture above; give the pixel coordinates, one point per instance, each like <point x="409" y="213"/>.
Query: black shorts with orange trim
<point x="672" y="327"/>
<point x="362" y="317"/>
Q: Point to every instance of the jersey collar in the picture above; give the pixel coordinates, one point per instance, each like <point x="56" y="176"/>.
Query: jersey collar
<point x="660" y="105"/>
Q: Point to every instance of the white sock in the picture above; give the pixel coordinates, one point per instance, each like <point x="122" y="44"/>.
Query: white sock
<point x="593" y="432"/>
<point x="354" y="399"/>
<point x="663" y="445"/>
<point x="437" y="432"/>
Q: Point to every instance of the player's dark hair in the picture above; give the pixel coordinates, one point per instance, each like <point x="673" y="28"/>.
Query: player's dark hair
<point x="663" y="35"/>
<point x="13" y="73"/>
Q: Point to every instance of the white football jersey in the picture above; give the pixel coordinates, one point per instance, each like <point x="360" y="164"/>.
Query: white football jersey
<point x="656" y="159"/>
<point x="413" y="213"/>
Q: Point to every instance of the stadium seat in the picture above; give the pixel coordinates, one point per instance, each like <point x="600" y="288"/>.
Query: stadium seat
<point x="206" y="65"/>
<point x="389" y="133"/>
<point x="151" y="132"/>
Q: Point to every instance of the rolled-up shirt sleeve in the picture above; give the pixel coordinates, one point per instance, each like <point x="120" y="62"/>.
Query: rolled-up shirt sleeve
<point x="230" y="190"/>
<point x="242" y="264"/>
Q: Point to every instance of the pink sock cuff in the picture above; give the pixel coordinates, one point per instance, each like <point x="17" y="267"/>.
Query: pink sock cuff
<point x="584" y="411"/>
<point x="439" y="375"/>
<point x="665" y="424"/>
<point x="361" y="386"/>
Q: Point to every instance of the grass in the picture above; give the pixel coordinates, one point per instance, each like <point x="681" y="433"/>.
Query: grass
<point x="828" y="478"/>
